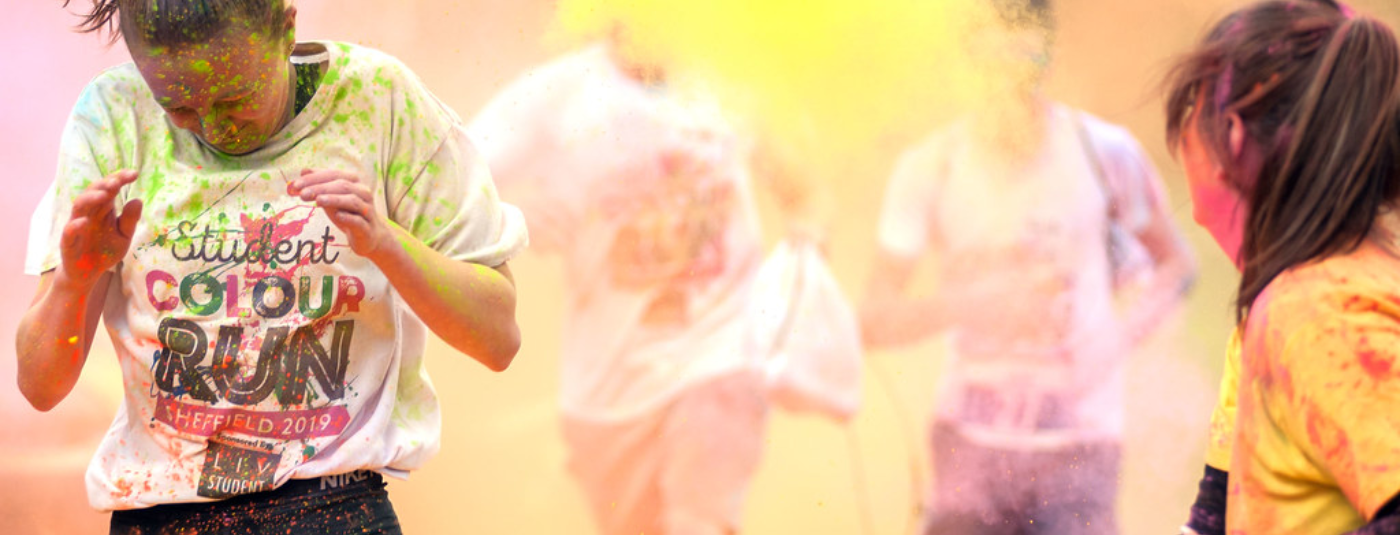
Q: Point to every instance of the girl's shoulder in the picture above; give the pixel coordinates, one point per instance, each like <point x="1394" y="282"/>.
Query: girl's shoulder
<point x="120" y="77"/>
<point x="380" y="81"/>
<point x="1113" y="143"/>
<point x="1361" y="282"/>
<point x="364" y="67"/>
<point x="931" y="154"/>
<point x="120" y="82"/>
<point x="118" y="94"/>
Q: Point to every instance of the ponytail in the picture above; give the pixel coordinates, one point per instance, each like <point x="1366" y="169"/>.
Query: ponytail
<point x="1340" y="166"/>
<point x="1318" y="93"/>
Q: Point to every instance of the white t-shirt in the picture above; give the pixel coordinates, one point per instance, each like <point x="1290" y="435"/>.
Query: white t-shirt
<point x="255" y="346"/>
<point x="647" y="199"/>
<point x="1052" y="370"/>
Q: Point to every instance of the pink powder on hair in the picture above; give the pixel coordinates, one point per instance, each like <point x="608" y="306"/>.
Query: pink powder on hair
<point x="1347" y="10"/>
<point x="1222" y="87"/>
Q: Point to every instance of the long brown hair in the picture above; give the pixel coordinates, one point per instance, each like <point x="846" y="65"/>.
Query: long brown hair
<point x="1318" y="92"/>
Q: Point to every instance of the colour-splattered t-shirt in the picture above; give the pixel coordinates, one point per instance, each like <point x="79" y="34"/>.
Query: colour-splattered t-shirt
<point x="1050" y="371"/>
<point x="645" y="196"/>
<point x="1222" y="418"/>
<point x="255" y="346"/>
<point x="1317" y="446"/>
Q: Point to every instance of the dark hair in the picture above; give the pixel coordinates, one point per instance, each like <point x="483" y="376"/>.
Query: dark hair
<point x="1025" y="13"/>
<point x="176" y="22"/>
<point x="1318" y="93"/>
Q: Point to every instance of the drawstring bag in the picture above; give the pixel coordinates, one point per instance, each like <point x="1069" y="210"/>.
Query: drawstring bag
<point x="806" y="332"/>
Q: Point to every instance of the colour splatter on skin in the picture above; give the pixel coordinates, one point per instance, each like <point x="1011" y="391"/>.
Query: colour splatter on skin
<point x="234" y="91"/>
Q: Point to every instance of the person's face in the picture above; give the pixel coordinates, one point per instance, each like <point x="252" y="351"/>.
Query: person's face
<point x="232" y="90"/>
<point x="1217" y="206"/>
<point x="1013" y="59"/>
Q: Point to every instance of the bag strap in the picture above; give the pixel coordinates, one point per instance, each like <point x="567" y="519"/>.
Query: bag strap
<point x="1087" y="143"/>
<point x="1112" y="210"/>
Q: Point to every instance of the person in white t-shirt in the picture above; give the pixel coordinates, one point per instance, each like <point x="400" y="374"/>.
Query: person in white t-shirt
<point x="646" y="197"/>
<point x="261" y="224"/>
<point x="1044" y="222"/>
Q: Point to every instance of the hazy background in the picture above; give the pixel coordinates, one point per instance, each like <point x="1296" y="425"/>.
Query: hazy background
<point x="501" y="466"/>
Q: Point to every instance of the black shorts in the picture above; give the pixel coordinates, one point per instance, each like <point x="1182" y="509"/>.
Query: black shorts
<point x="982" y="490"/>
<point x="347" y="503"/>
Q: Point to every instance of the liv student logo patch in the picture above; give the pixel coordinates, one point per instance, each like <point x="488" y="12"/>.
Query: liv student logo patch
<point x="232" y="469"/>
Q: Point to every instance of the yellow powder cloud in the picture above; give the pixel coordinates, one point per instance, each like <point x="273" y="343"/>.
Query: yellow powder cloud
<point x="830" y="80"/>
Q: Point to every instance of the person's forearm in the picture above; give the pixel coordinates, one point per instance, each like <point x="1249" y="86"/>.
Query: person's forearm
<point x="469" y="306"/>
<point x="897" y="322"/>
<point x="52" y="342"/>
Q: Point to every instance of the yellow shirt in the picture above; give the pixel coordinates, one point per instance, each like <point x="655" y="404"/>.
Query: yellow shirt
<point x="1222" y="420"/>
<point x="1317" y="443"/>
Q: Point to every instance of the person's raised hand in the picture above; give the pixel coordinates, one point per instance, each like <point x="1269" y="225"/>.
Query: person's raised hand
<point x="349" y="203"/>
<point x="97" y="236"/>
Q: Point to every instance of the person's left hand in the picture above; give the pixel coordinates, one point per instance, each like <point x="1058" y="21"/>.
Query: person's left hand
<point x="349" y="203"/>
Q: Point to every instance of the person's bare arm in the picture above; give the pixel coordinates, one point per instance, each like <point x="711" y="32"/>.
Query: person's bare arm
<point x="470" y="306"/>
<point x="55" y="334"/>
<point x="889" y="316"/>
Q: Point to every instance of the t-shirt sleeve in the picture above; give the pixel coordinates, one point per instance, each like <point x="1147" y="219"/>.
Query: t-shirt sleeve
<point x="905" y="218"/>
<point x="1338" y="384"/>
<point x="36" y="251"/>
<point x="1222" y="419"/>
<point x="524" y="154"/>
<point x="439" y="188"/>
<point x="88" y="151"/>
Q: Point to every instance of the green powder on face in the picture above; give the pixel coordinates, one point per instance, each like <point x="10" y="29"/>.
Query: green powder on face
<point x="201" y="66"/>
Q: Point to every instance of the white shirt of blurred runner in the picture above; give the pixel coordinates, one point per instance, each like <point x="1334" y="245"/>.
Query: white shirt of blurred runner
<point x="646" y="197"/>
<point x="1035" y="237"/>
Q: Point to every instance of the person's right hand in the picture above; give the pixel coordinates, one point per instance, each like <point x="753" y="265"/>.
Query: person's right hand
<point x="96" y="237"/>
